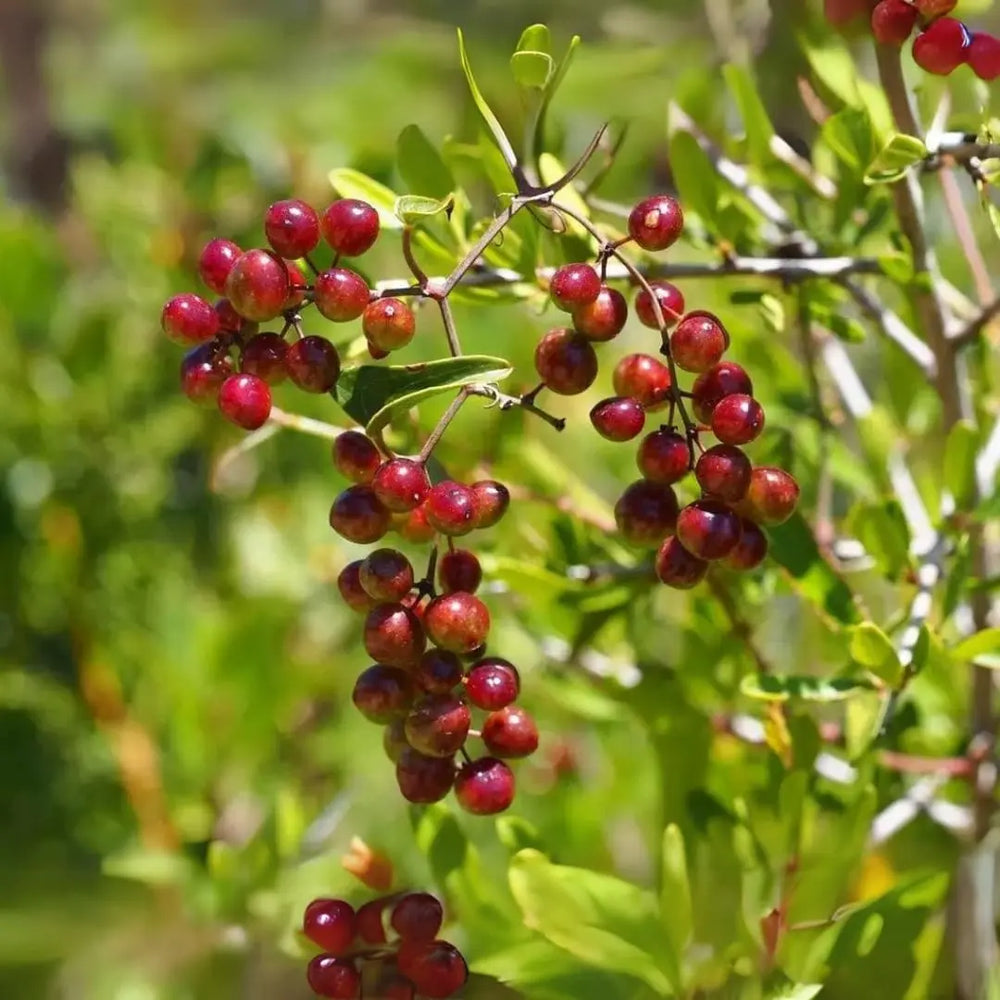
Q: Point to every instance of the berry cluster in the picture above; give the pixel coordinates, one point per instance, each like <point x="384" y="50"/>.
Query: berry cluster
<point x="724" y="523"/>
<point x="389" y="944"/>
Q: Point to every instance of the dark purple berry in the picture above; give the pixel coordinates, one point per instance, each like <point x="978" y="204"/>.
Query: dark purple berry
<point x="356" y="457"/>
<point x="437" y="725"/>
<point x="383" y="693"/>
<point x="313" y="364"/>
<point x="359" y="516"/>
<point x="424" y="779"/>
<point x="459" y="570"/>
<point x="438" y="671"/>
<point x="664" y="457"/>
<point x="646" y="512"/>
<point x="264" y="356"/>
<point x="708" y="529"/>
<point x="565" y="361"/>
<point x="677" y="568"/>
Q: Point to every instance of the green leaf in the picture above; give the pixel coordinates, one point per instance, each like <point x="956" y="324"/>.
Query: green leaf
<point x="983" y="648"/>
<point x="412" y="209"/>
<point x="492" y="123"/>
<point x="480" y="987"/>
<point x="550" y="170"/>
<point x="694" y="176"/>
<point x="602" y="920"/>
<point x="758" y="125"/>
<point x="872" y="649"/>
<point x="793" y="546"/>
<point x="421" y="166"/>
<point x="771" y="687"/>
<point x="371" y="394"/>
<point x="894" y="159"/>
<point x="960" y="462"/>
<point x="675" y="893"/>
<point x="532" y="68"/>
<point x="441" y="840"/>
<point x="882" y="530"/>
<point x="350" y="183"/>
<point x="849" y="134"/>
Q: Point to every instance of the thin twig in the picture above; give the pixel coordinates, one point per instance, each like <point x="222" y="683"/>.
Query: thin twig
<point x="975" y="326"/>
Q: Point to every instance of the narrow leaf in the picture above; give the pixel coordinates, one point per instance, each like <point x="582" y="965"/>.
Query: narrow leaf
<point x="771" y="687"/>
<point x="675" y="893"/>
<point x="896" y="157"/>
<point x="421" y="165"/>
<point x="982" y="648"/>
<point x="759" y="129"/>
<point x="960" y="462"/>
<point x="492" y="123"/>
<point x="694" y="176"/>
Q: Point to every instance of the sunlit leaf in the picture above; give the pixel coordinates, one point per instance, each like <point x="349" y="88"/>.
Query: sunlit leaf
<point x="960" y="462"/>
<point x="421" y="165"/>
<point x="872" y="649"/>
<point x="350" y="183"/>
<point x="492" y="122"/>
<point x="894" y="159"/>
<point x="773" y="687"/>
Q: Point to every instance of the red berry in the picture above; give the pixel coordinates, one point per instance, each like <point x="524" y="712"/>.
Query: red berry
<point x="417" y="917"/>
<point x="724" y="471"/>
<point x="414" y="526"/>
<point x="245" y="400"/>
<point x="841" y="12"/>
<point x="725" y="379"/>
<point x="215" y="263"/>
<point x="699" y="342"/>
<point x="389" y="324"/>
<point x="382" y="693"/>
<point x="334" y="977"/>
<point x="437" y="725"/>
<point x="644" y="378"/>
<point x="393" y="743"/>
<point x="292" y="228"/>
<point x="983" y="55"/>
<point x="313" y="364"/>
<point x="297" y="286"/>
<point x="424" y="779"/>
<point x="737" y="419"/>
<point x="354" y="595"/>
<point x="708" y="529"/>
<point x="203" y="370"/>
<point x="438" y="671"/>
<point x="511" y="732"/>
<point x="932" y="9"/>
<point x="565" y="361"/>
<point x="492" y="683"/>
<point x="437" y="969"/>
<point x="655" y="223"/>
<point x="341" y="295"/>
<point x="458" y="622"/>
<point x="370" y="927"/>
<point x="604" y="318"/>
<point x="750" y="551"/>
<point x="330" y="923"/>
<point x="664" y="457"/>
<point x="258" y="285"/>
<point x="893" y="21"/>
<point x="401" y="484"/>
<point x="359" y="516"/>
<point x="677" y="568"/>
<point x="386" y="575"/>
<point x="490" y="500"/>
<point x="574" y="285"/>
<point x="450" y="508"/>
<point x="619" y="418"/>
<point x="459" y="570"/>
<point x="773" y="495"/>
<point x="671" y="304"/>
<point x="394" y="635"/>
<point x="350" y="226"/>
<point x="482" y="787"/>
<point x="646" y="512"/>
<point x="941" y="47"/>
<point x="395" y="987"/>
<point x="356" y="457"/>
<point x="188" y="319"/>
<point x="264" y="356"/>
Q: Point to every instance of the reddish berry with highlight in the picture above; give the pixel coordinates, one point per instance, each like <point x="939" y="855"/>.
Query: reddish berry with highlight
<point x="458" y="622"/>
<point x="490" y="502"/>
<point x="644" y="378"/>
<point x="437" y="970"/>
<point x="359" y="516"/>
<point x="330" y="924"/>
<point x="604" y="318"/>
<point x="401" y="484"/>
<point x="664" y="457"/>
<point x="417" y="917"/>
<point x="671" y="304"/>
<point x="699" y="342"/>
<point x="383" y="693"/>
<point x="215" y="263"/>
<point x="389" y="324"/>
<point x="264" y="355"/>
<point x="245" y="400"/>
<point x="619" y="418"/>
<point x="369" y="921"/>
<point x="941" y="47"/>
<point x="356" y="457"/>
<point x="893" y="21"/>
<point x="188" y="319"/>
<point x="492" y="683"/>
<point x="724" y="379"/>
<point x="646" y="512"/>
<point x="656" y="223"/>
<point x="677" y="568"/>
<point x="340" y="294"/>
<point x="565" y="361"/>
<point x="203" y="370"/>
<point x="510" y="733"/>
<point x="350" y="226"/>
<point x="313" y="364"/>
<point x="574" y="285"/>
<point x="258" y="285"/>
<point x="386" y="575"/>
<point x="737" y="419"/>
<point x="708" y="529"/>
<point x="437" y="725"/>
<point x="336" y="978"/>
<point x="724" y="472"/>
<point x="773" y="495"/>
<point x="450" y="508"/>
<point x="459" y="570"/>
<point x="394" y="635"/>
<point x="751" y="549"/>
<point x="483" y="787"/>
<point x="292" y="228"/>
<point x="983" y="56"/>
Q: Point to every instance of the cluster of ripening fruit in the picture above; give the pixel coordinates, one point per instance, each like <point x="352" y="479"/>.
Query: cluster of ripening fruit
<point x="942" y="44"/>
<point x="387" y="948"/>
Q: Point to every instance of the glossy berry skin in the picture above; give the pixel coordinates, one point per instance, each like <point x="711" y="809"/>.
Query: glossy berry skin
<point x="671" y="304"/>
<point x="932" y="9"/>
<point x="604" y="318"/>
<point x="438" y="671"/>
<point x="297" y="285"/>
<point x="437" y="725"/>
<point x="417" y="917"/>
<point x="458" y="622"/>
<point x="356" y="457"/>
<point x="677" y="568"/>
<point x="215" y="263"/>
<point x="401" y="484"/>
<point x="258" y="285"/>
<point x="414" y="526"/>
<point x="619" y="418"/>
<point x="893" y="21"/>
<point x="723" y="471"/>
<point x="188" y="320"/>
<point x="292" y="228"/>
<point x="983" y="56"/>
<point x="574" y="285"/>
<point x="386" y="575"/>
<point x="773" y="495"/>
<point x="450" y="508"/>
<point x="245" y="400"/>
<point x="646" y="513"/>
<point x="724" y="379"/>
<point x="389" y="324"/>
<point x="941" y="47"/>
<point x="708" y="529"/>
<point x="203" y="370"/>
<point x="737" y="419"/>
<point x="313" y="364"/>
<point x="424" y="779"/>
<point x="644" y="378"/>
<point x="359" y="516"/>
<point x="459" y="570"/>
<point x="483" y="787"/>
<point x="336" y="978"/>
<point x="565" y="361"/>
<point x="264" y="355"/>
<point x="231" y="321"/>
<point x="751" y="550"/>
<point x="437" y="970"/>
<point x="393" y="635"/>
<point x="492" y="684"/>
<point x="490" y="502"/>
<point x="699" y="342"/>
<point x="340" y="294"/>
<point x="510" y="733"/>
<point x="352" y="593"/>
<point x="350" y="226"/>
<point x="655" y="223"/>
<point x="664" y="457"/>
<point x="369" y="925"/>
<point x="330" y="924"/>
<point x="383" y="693"/>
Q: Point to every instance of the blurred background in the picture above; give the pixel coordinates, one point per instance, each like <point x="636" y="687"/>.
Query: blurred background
<point x="175" y="666"/>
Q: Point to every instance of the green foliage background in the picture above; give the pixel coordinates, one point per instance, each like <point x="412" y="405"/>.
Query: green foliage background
<point x="180" y="765"/>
